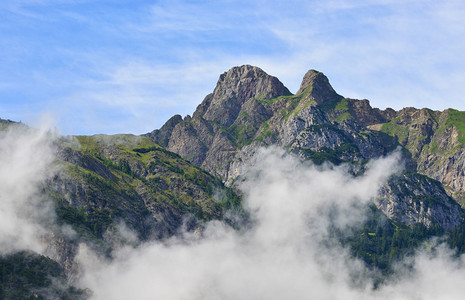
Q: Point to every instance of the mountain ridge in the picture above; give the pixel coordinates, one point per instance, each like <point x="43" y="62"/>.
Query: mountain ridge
<point x="316" y="124"/>
<point x="185" y="174"/>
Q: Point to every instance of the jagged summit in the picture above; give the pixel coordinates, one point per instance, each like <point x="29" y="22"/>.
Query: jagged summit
<point x="250" y="109"/>
<point x="318" y="86"/>
<point x="242" y="85"/>
<point x="308" y="80"/>
<point x="234" y="88"/>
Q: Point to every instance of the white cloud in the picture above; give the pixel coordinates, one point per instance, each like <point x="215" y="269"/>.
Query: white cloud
<point x="280" y="257"/>
<point x="25" y="162"/>
<point x="395" y="54"/>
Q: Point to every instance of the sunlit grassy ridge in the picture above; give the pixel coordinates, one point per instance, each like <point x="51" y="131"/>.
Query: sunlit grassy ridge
<point x="126" y="177"/>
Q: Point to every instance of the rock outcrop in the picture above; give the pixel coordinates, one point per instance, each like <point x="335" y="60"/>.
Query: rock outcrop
<point x="234" y="89"/>
<point x="250" y="109"/>
<point x="414" y="198"/>
<point x="224" y="121"/>
<point x="436" y="141"/>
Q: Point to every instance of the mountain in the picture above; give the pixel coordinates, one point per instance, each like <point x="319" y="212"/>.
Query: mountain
<point x="103" y="187"/>
<point x="316" y="123"/>
<point x="250" y="109"/>
<point x="28" y="275"/>
<point x="436" y="141"/>
<point x="111" y="191"/>
<point x="105" y="181"/>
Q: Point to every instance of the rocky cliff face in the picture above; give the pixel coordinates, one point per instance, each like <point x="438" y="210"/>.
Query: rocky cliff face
<point x="436" y="141"/>
<point x="234" y="90"/>
<point x="250" y="109"/>
<point x="236" y="108"/>
<point x="414" y="198"/>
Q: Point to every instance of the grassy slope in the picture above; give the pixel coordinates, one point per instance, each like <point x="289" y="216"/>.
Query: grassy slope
<point x="451" y="119"/>
<point x="130" y="178"/>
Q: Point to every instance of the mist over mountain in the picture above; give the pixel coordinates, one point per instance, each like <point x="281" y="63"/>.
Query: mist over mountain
<point x="259" y="194"/>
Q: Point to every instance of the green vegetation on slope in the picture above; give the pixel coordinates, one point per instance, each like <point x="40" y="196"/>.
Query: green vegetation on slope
<point x="342" y="105"/>
<point x="130" y="178"/>
<point x="456" y="118"/>
<point x="341" y="111"/>
<point x="241" y="135"/>
<point x="271" y="101"/>
<point x="453" y="118"/>
<point x="380" y="242"/>
<point x="396" y="130"/>
<point x="334" y="156"/>
<point x="25" y="275"/>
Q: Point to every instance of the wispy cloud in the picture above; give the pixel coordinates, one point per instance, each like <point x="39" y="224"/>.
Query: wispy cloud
<point x="26" y="156"/>
<point x="170" y="53"/>
<point x="393" y="53"/>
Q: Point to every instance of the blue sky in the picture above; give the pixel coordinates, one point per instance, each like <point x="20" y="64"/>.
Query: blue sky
<point x="126" y="66"/>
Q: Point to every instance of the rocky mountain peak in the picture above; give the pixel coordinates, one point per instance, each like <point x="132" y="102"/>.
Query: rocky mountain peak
<point x="318" y="87"/>
<point x="163" y="134"/>
<point x="234" y="88"/>
<point x="241" y="72"/>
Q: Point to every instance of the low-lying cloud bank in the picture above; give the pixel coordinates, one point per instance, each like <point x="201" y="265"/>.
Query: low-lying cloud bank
<point x="284" y="255"/>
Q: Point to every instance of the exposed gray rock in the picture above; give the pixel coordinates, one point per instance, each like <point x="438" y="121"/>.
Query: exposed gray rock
<point x="316" y="137"/>
<point x="186" y="142"/>
<point x="435" y="143"/>
<point x="249" y="109"/>
<point x="63" y="250"/>
<point x="291" y="127"/>
<point x="161" y="136"/>
<point x="237" y="86"/>
<point x="317" y="86"/>
<point x="366" y="115"/>
<point x="414" y="198"/>
<point x="226" y="119"/>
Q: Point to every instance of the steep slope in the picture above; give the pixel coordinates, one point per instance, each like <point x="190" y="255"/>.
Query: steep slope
<point x="436" y="141"/>
<point x="131" y="178"/>
<point x="224" y="121"/>
<point x="316" y="124"/>
<point x="25" y="275"/>
<point x="105" y="182"/>
<point x="414" y="198"/>
<point x="111" y="191"/>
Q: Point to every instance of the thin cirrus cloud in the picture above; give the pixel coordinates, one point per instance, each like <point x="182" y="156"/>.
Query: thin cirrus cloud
<point x="130" y="67"/>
